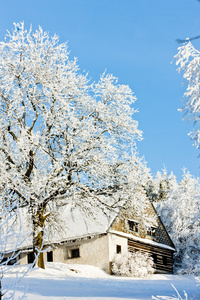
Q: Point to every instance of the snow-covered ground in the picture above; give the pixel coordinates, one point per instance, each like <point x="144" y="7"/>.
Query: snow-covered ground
<point x="72" y="282"/>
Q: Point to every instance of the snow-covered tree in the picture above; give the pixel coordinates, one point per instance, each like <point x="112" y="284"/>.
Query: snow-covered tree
<point x="138" y="191"/>
<point x="163" y="183"/>
<point x="180" y="213"/>
<point x="188" y="60"/>
<point x="158" y="188"/>
<point x="62" y="139"/>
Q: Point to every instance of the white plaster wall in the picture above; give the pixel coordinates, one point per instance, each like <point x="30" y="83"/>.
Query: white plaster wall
<point x="23" y="258"/>
<point x="115" y="240"/>
<point x="58" y="253"/>
<point x="98" y="251"/>
<point x="92" y="252"/>
<point x="45" y="256"/>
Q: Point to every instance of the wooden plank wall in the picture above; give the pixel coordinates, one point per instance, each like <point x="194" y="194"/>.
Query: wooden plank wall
<point x="164" y="263"/>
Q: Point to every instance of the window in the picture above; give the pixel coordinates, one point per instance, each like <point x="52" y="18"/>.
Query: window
<point x="31" y="257"/>
<point x="151" y="231"/>
<point x="50" y="256"/>
<point x="164" y="260"/>
<point x="154" y="256"/>
<point x="75" y="253"/>
<point x="133" y="226"/>
<point x="9" y="261"/>
<point x="12" y="261"/>
<point x="118" y="249"/>
<point x="3" y="260"/>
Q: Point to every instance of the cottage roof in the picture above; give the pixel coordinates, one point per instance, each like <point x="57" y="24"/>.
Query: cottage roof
<point x="72" y="223"/>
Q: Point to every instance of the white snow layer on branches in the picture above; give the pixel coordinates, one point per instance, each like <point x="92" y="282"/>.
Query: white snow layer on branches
<point x="63" y="140"/>
<point x="188" y="60"/>
<point x="180" y="212"/>
<point x="59" y="134"/>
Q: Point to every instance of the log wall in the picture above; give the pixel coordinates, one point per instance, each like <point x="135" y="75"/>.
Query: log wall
<point x="163" y="258"/>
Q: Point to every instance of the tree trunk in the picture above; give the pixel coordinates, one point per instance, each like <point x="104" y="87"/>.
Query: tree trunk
<point x="39" y="238"/>
<point x="39" y="248"/>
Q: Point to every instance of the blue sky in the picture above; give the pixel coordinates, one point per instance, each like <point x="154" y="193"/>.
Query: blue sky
<point x="134" y="40"/>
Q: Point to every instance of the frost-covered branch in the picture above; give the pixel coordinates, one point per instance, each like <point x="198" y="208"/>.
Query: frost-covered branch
<point x="180" y="212"/>
<point x="188" y="60"/>
<point x="60" y="134"/>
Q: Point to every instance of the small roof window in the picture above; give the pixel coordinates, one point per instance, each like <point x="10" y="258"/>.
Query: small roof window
<point x="133" y="226"/>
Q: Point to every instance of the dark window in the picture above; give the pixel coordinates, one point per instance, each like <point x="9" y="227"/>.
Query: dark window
<point x="4" y="260"/>
<point x="9" y="260"/>
<point x="31" y="257"/>
<point x="154" y="256"/>
<point x="164" y="260"/>
<point x="151" y="231"/>
<point x="75" y="253"/>
<point x="50" y="256"/>
<point x="133" y="226"/>
<point x="118" y="249"/>
<point x="12" y="261"/>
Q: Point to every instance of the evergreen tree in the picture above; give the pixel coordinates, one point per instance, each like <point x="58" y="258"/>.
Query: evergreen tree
<point x="180" y="214"/>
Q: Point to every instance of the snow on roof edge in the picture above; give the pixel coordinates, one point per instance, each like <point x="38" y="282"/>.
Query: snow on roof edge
<point x="29" y="247"/>
<point x="80" y="237"/>
<point x="146" y="241"/>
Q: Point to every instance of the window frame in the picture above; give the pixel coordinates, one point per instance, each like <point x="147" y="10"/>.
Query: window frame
<point x="30" y="257"/>
<point x="50" y="253"/>
<point x="74" y="252"/>
<point x="151" y="231"/>
<point x="155" y="257"/>
<point x="118" y="249"/>
<point x="165" y="260"/>
<point x="133" y="226"/>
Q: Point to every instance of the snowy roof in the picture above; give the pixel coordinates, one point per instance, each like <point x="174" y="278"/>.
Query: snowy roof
<point x="77" y="225"/>
<point x="68" y="224"/>
<point x="72" y="224"/>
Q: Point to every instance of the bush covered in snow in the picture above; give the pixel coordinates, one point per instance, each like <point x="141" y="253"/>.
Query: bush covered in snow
<point x="136" y="264"/>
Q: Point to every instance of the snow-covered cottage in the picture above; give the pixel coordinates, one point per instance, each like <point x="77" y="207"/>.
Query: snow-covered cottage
<point x="96" y="240"/>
